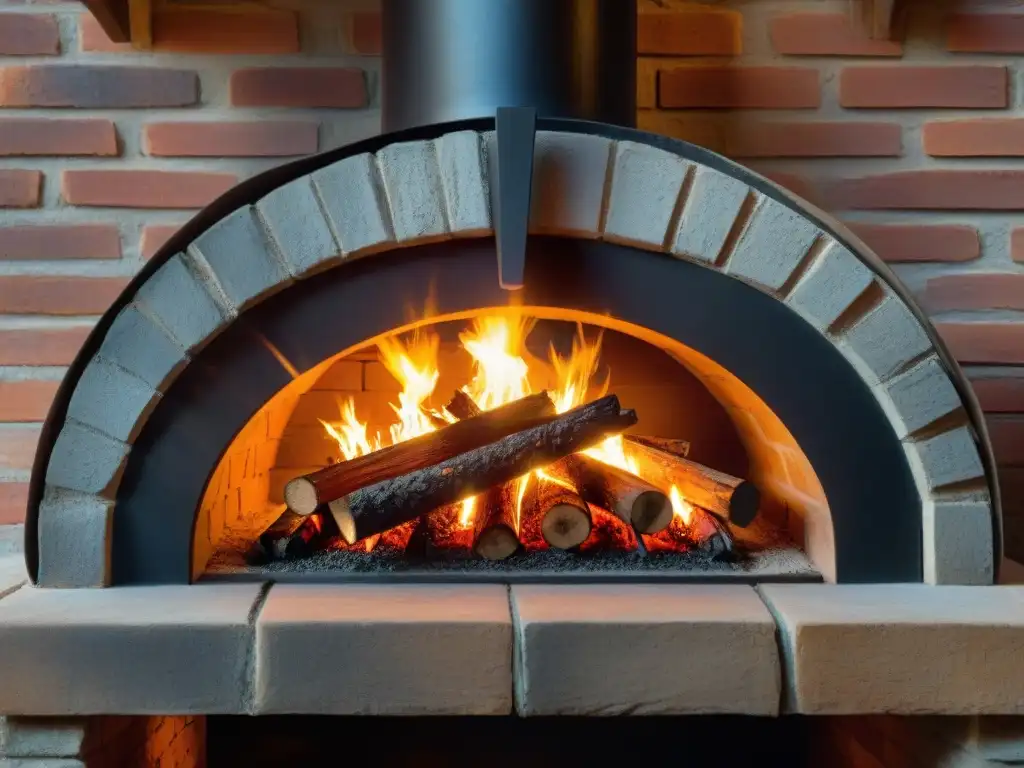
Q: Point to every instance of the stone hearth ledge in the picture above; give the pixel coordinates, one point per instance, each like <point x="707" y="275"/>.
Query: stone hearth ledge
<point x="464" y="649"/>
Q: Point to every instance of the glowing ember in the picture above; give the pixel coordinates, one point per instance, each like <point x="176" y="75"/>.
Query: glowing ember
<point x="466" y="514"/>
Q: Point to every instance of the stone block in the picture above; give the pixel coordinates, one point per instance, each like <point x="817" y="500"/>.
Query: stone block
<point x="85" y="460"/>
<point x="353" y="197"/>
<point x="712" y="205"/>
<point x="111" y="401"/>
<point x="395" y="650"/>
<point x="885" y="340"/>
<point x="569" y="173"/>
<point x="293" y="217"/>
<point x="947" y="458"/>
<point x="773" y="245"/>
<point x="646" y="183"/>
<point x="466" y="190"/>
<point x="829" y="286"/>
<point x="644" y="650"/>
<point x="909" y="649"/>
<point x="242" y="261"/>
<point x="130" y="650"/>
<point x="958" y="543"/>
<point x="42" y="736"/>
<point x="176" y="298"/>
<point x="921" y="396"/>
<point x="412" y="180"/>
<point x="74" y="539"/>
<point x="137" y="344"/>
<point x="41" y="762"/>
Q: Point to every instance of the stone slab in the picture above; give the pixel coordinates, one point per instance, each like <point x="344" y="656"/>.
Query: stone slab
<point x="126" y="650"/>
<point x="829" y="286"/>
<point x="42" y="736"/>
<point x="85" y="460"/>
<point x="384" y="650"/>
<point x="179" y="302"/>
<point x="884" y="340"/>
<point x="12" y="573"/>
<point x="137" y="344"/>
<point x="644" y="650"/>
<point x="466" y="191"/>
<point x="74" y="539"/>
<point x="921" y="395"/>
<point x="415" y="194"/>
<point x="948" y="458"/>
<point x="353" y="197"/>
<point x="569" y="173"/>
<point x="709" y="213"/>
<point x="111" y="401"/>
<point x="772" y="246"/>
<point x="900" y="648"/>
<point x="958" y="543"/>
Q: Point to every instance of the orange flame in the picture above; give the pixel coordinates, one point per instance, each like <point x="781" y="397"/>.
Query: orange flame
<point x="681" y="508"/>
<point x="414" y="366"/>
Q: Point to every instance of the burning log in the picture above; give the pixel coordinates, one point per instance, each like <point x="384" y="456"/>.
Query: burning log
<point x="731" y="498"/>
<point x="564" y="516"/>
<point x="292" y="536"/>
<point x="705" y="532"/>
<point x="446" y="537"/>
<point x="304" y="494"/>
<point x="676" y="447"/>
<point x="389" y="503"/>
<point x="632" y="499"/>
<point x="496" y="533"/>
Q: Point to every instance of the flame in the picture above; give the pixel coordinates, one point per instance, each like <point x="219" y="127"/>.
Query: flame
<point x="496" y="344"/>
<point x="681" y="508"/>
<point x="576" y="372"/>
<point x="542" y="475"/>
<point x="414" y="366"/>
<point x="350" y="433"/>
<point x="466" y="515"/>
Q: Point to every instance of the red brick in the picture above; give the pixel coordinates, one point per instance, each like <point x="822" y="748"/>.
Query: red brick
<point x="689" y="32"/>
<point x="930" y="190"/>
<point x="92" y="38"/>
<point x="739" y="87"/>
<point x="23" y="34"/>
<point x="96" y="86"/>
<point x="987" y="290"/>
<point x="1007" y="434"/>
<point x="31" y="136"/>
<point x="995" y="137"/>
<point x="206" y="30"/>
<point x="50" y="346"/>
<point x="687" y="126"/>
<point x="13" y="503"/>
<point x="20" y="189"/>
<point x="58" y="295"/>
<point x="896" y="87"/>
<point x="17" y="446"/>
<point x="144" y="189"/>
<point x="647" y="83"/>
<point x="364" y="33"/>
<point x="222" y="139"/>
<point x="336" y="87"/>
<point x="819" y="139"/>
<point x="1000" y="395"/>
<point x="992" y="343"/>
<point x="54" y="242"/>
<point x="826" y="34"/>
<point x="986" y="33"/>
<point x="1017" y="244"/>
<point x="153" y="238"/>
<point x="912" y="242"/>
<point x="799" y="185"/>
<point x="26" y="400"/>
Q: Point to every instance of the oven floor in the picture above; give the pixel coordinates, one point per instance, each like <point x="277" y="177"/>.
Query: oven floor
<point x="496" y="742"/>
<point x="768" y="557"/>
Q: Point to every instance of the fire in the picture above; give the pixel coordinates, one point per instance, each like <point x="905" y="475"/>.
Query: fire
<point x="681" y="508"/>
<point x="496" y="344"/>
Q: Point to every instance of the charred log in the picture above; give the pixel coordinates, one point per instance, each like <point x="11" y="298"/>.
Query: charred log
<point x="561" y="514"/>
<point x="671" y="445"/>
<point x="386" y="504"/>
<point x="304" y="494"/>
<point x="462" y="406"/>
<point x="731" y="498"/>
<point x="293" y="536"/>
<point x="496" y="523"/>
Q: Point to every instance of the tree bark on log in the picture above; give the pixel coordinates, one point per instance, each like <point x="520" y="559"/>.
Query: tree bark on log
<point x="304" y="494"/>
<point x="496" y="533"/>
<point x="731" y="498"/>
<point x="377" y="508"/>
<point x="630" y="498"/>
<point x="563" y="516"/>
<point x="675" y="446"/>
<point x="292" y="536"/>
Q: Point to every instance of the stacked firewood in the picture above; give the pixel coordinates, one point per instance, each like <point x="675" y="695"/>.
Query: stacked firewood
<point x="406" y="493"/>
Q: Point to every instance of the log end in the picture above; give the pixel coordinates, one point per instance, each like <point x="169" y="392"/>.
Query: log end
<point x="497" y="543"/>
<point x="651" y="512"/>
<point x="344" y="519"/>
<point x="744" y="504"/>
<point x="565" y="526"/>
<point x="300" y="496"/>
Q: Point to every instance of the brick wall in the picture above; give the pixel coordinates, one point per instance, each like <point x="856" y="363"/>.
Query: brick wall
<point x="104" y="151"/>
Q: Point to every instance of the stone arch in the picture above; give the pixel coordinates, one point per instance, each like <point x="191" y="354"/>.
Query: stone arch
<point x="590" y="183"/>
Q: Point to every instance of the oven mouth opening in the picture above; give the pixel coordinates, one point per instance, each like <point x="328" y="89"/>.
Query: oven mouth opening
<point x="568" y="520"/>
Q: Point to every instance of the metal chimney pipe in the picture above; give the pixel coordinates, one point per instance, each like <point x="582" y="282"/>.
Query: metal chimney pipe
<point x="453" y="59"/>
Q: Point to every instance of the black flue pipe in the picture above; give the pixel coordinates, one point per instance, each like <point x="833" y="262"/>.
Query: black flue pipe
<point x="449" y="60"/>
